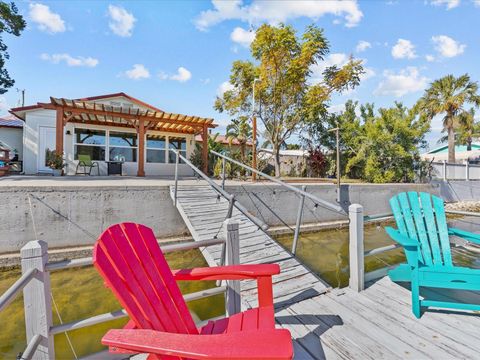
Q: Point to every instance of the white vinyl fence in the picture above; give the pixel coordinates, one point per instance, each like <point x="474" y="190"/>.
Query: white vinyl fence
<point x="449" y="171"/>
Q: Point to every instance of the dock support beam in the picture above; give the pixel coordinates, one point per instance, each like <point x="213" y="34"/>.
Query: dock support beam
<point x="37" y="299"/>
<point x="357" y="267"/>
<point x="232" y="257"/>
<point x="299" y="221"/>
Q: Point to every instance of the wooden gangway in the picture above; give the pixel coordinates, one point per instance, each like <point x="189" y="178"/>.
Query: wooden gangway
<point x="326" y="323"/>
<point x="204" y="212"/>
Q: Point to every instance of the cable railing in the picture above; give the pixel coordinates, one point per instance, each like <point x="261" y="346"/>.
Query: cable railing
<point x="35" y="283"/>
<point x="302" y="193"/>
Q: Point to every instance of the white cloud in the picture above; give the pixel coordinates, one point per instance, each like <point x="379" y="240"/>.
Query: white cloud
<point x="450" y="4"/>
<point x="403" y="49"/>
<point x="429" y="58"/>
<point x="182" y="75"/>
<point x="70" y="60"/>
<point x="223" y="87"/>
<point x="339" y="60"/>
<point x="362" y="46"/>
<point x="242" y="36"/>
<point x="406" y="81"/>
<point x="447" y="47"/>
<point x="476" y="3"/>
<point x="122" y="22"/>
<point x="205" y="81"/>
<point x="45" y="19"/>
<point x="277" y="11"/>
<point x="139" y="71"/>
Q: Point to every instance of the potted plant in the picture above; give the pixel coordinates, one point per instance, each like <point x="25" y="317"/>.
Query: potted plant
<point x="55" y="162"/>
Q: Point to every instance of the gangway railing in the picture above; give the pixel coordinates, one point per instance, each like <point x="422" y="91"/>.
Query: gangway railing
<point x="301" y="192"/>
<point x="37" y="296"/>
<point x="220" y="190"/>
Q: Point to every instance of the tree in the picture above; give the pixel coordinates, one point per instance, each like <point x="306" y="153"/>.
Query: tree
<point x="285" y="94"/>
<point x="239" y="129"/>
<point x="466" y="129"/>
<point x="12" y="23"/>
<point x="448" y="96"/>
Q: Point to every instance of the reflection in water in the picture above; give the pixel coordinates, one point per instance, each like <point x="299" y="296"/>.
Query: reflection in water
<point x="80" y="293"/>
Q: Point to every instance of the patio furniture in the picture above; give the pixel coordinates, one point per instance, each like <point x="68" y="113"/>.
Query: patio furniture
<point x="114" y="167"/>
<point x="87" y="163"/>
<point x="4" y="161"/>
<point x="424" y="235"/>
<point x="132" y="265"/>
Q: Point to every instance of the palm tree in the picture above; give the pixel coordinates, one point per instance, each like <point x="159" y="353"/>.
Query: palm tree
<point x="240" y="130"/>
<point x="466" y="129"/>
<point x="447" y="96"/>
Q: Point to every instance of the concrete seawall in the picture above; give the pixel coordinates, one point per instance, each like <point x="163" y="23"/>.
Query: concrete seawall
<point x="74" y="214"/>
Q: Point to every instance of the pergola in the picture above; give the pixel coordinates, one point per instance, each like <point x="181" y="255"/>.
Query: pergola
<point x="79" y="111"/>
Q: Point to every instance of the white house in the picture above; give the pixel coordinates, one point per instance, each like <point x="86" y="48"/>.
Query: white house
<point x="106" y="128"/>
<point x="11" y="134"/>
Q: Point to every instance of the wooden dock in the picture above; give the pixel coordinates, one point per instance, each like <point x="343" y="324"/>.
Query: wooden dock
<point x="326" y="323"/>
<point x="204" y="212"/>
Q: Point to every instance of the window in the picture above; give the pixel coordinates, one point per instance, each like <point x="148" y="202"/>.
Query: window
<point x="156" y="146"/>
<point x="177" y="143"/>
<point x="90" y="143"/>
<point x="122" y="146"/>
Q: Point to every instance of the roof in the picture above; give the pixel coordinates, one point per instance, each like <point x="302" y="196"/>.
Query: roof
<point x="84" y="112"/>
<point x="222" y="139"/>
<point x="299" y="152"/>
<point x="11" y="122"/>
<point x="90" y="98"/>
<point x="458" y="148"/>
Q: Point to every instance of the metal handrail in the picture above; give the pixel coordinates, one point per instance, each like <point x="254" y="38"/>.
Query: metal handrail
<point x="12" y="292"/>
<point x="222" y="192"/>
<point x="31" y="347"/>
<point x="67" y="264"/>
<point x="312" y="197"/>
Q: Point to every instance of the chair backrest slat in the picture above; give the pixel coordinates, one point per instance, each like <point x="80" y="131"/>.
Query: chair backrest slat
<point x="431" y="223"/>
<point x="421" y="217"/>
<point x="128" y="257"/>
<point x="442" y="230"/>
<point x="420" y="225"/>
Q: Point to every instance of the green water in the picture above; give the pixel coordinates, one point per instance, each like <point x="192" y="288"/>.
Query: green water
<point x="326" y="252"/>
<point x="80" y="293"/>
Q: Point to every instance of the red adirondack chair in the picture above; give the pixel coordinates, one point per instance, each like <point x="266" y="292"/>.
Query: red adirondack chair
<point x="129" y="259"/>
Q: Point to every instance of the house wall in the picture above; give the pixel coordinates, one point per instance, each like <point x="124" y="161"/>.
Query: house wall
<point x="13" y="138"/>
<point x="31" y="147"/>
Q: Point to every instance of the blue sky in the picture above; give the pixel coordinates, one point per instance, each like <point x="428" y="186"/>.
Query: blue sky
<point x="177" y="54"/>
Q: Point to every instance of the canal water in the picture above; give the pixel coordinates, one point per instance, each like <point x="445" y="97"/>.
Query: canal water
<point x="80" y="293"/>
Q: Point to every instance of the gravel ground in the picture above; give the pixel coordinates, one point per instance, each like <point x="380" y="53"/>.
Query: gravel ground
<point x="473" y="206"/>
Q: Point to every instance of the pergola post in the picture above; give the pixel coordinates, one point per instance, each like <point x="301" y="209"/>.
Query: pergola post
<point x="205" y="149"/>
<point x="59" y="132"/>
<point x="141" y="148"/>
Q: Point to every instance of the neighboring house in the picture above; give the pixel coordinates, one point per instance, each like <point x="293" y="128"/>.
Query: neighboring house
<point x="114" y="127"/>
<point x="11" y="135"/>
<point x="224" y="140"/>
<point x="292" y="162"/>
<point x="461" y="153"/>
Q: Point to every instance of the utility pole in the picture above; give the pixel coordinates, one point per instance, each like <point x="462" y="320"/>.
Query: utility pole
<point x="23" y="96"/>
<point x="338" y="161"/>
<point x="254" y="133"/>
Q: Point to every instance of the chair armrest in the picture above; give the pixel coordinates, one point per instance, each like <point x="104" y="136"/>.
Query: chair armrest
<point x="233" y="272"/>
<point x="401" y="239"/>
<point x="471" y="237"/>
<point x="260" y="344"/>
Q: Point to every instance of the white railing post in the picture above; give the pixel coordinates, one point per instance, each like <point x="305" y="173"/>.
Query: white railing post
<point x="444" y="170"/>
<point x="357" y="269"/>
<point x="467" y="171"/>
<point x="223" y="173"/>
<point x="232" y="257"/>
<point x="177" y="159"/>
<point x="299" y="221"/>
<point x="37" y="298"/>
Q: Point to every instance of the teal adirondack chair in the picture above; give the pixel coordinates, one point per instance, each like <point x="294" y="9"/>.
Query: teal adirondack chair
<point x="424" y="235"/>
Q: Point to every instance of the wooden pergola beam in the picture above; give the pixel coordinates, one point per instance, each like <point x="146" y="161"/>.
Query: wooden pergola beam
<point x="59" y="126"/>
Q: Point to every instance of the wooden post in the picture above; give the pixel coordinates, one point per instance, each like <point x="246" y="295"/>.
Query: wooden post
<point x="141" y="148"/>
<point x="355" y="215"/>
<point x="444" y="170"/>
<point x="254" y="147"/>
<point x="232" y="257"/>
<point x="36" y="298"/>
<point x="467" y="171"/>
<point x="59" y="132"/>
<point x="299" y="222"/>
<point x="205" y="149"/>
<point x="223" y="173"/>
